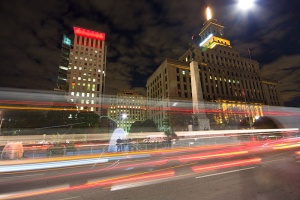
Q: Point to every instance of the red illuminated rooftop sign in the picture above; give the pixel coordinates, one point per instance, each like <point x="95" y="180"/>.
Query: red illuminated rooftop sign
<point x="89" y="33"/>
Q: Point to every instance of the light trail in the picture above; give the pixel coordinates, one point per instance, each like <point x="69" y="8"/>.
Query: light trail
<point x="227" y="172"/>
<point x="223" y="165"/>
<point x="211" y="155"/>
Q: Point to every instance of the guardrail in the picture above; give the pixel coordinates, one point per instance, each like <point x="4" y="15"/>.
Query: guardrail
<point x="51" y="151"/>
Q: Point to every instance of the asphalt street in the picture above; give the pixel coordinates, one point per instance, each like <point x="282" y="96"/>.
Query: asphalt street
<point x="211" y="173"/>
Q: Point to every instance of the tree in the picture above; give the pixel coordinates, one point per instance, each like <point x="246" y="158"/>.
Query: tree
<point x="146" y="126"/>
<point x="86" y="121"/>
<point x="179" y="121"/>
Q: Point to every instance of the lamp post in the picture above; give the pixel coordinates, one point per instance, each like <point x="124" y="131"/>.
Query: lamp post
<point x="124" y="117"/>
<point x="245" y="4"/>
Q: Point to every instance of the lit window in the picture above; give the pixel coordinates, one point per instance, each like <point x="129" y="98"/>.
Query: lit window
<point x="99" y="70"/>
<point x="88" y="94"/>
<point x="79" y="78"/>
<point x="80" y="68"/>
<point x="93" y="95"/>
<point x="75" y="67"/>
<point x="85" y="59"/>
<point x="183" y="72"/>
<point x="83" y="94"/>
<point x="77" y="94"/>
<point x="81" y="108"/>
<point x="76" y="57"/>
<point x="92" y="102"/>
<point x="94" y="80"/>
<point x="82" y="101"/>
<point x="72" y="93"/>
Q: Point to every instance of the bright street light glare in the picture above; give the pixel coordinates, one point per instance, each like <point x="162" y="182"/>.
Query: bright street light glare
<point x="124" y="116"/>
<point x="245" y="4"/>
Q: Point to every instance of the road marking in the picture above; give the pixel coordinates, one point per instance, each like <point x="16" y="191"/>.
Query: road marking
<point x="273" y="160"/>
<point x="227" y="172"/>
<point x="34" y="192"/>
<point x="70" y="198"/>
<point x="11" y="177"/>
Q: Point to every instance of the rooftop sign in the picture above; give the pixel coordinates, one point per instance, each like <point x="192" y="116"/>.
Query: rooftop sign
<point x="89" y="33"/>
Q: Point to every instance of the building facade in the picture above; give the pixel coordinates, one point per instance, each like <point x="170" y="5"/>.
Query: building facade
<point x="85" y="79"/>
<point x="126" y="108"/>
<point x="231" y="81"/>
<point x="64" y="63"/>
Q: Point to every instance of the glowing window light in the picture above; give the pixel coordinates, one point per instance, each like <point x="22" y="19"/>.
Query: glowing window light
<point x="89" y="33"/>
<point x="62" y="67"/>
<point x="206" y="39"/>
<point x="66" y="40"/>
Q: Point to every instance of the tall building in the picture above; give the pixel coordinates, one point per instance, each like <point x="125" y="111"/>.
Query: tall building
<point x="63" y="63"/>
<point x="86" y="69"/>
<point x="273" y="95"/>
<point x="126" y="108"/>
<point x="230" y="80"/>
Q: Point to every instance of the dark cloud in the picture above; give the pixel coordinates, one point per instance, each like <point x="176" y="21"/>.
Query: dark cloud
<point x="286" y="70"/>
<point x="141" y="35"/>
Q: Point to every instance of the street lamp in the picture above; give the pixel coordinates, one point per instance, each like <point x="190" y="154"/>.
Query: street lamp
<point x="124" y="116"/>
<point x="245" y="4"/>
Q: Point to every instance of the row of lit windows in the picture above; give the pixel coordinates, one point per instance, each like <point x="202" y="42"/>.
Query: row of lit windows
<point x="86" y="59"/>
<point x="88" y="64"/>
<point x="83" y="94"/>
<point x="225" y="72"/>
<point x="84" y="79"/>
<point x="90" y="87"/>
<point x="87" y="69"/>
<point x="86" y="55"/>
<point x="86" y="49"/>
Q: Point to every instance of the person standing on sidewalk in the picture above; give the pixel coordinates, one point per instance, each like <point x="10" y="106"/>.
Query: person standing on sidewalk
<point x="119" y="145"/>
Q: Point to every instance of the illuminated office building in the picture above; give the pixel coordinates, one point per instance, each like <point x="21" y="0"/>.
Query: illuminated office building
<point x="230" y="80"/>
<point x="126" y="108"/>
<point x="86" y="69"/>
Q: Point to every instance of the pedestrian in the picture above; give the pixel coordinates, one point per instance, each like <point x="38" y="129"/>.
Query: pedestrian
<point x="129" y="144"/>
<point x="119" y="145"/>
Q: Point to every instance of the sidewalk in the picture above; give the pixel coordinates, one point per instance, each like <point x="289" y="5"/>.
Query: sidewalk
<point x="68" y="161"/>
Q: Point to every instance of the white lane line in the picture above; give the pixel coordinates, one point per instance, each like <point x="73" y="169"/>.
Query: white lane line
<point x="227" y="172"/>
<point x="273" y="160"/>
<point x="70" y="198"/>
<point x="138" y="184"/>
<point x="33" y="192"/>
<point x="11" y="177"/>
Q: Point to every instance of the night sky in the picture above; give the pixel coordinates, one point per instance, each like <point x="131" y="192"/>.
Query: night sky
<point x="141" y="34"/>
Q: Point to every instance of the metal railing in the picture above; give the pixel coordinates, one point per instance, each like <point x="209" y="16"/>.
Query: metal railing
<point x="45" y="151"/>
